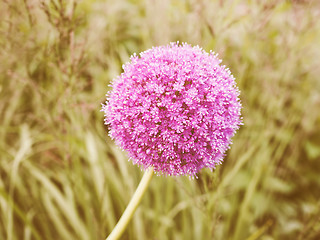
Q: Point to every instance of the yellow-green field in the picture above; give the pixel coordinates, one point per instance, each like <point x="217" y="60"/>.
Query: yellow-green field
<point x="62" y="177"/>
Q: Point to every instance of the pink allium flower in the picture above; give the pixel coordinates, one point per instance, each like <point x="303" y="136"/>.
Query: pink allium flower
<point x="174" y="108"/>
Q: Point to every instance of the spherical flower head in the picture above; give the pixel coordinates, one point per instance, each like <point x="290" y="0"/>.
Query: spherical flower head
<point x="174" y="108"/>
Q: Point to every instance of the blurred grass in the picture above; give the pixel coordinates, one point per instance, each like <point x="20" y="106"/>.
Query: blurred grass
<point x="61" y="177"/>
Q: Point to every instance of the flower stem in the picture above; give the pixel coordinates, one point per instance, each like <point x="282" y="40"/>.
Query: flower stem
<point x="132" y="206"/>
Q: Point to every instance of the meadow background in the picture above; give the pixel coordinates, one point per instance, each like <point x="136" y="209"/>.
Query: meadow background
<point x="62" y="177"/>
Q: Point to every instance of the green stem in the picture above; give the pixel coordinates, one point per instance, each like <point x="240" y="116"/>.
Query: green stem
<point x="132" y="206"/>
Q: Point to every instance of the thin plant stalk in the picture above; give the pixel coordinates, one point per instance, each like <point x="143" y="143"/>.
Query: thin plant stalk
<point x="132" y="206"/>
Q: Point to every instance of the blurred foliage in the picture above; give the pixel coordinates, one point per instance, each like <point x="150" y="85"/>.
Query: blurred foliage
<point x="61" y="177"/>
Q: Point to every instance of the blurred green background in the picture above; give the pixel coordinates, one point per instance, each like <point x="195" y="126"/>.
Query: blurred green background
<point x="62" y="177"/>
